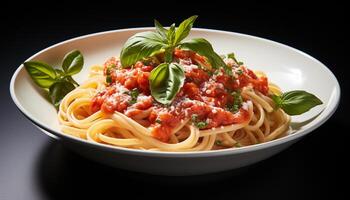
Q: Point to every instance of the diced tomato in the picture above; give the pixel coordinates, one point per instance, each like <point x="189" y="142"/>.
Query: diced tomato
<point x="261" y="84"/>
<point x="202" y="95"/>
<point x="163" y="130"/>
<point x="153" y="116"/>
<point x="227" y="81"/>
<point x="195" y="58"/>
<point x="214" y="90"/>
<point x="198" y="76"/>
<point x="138" y="65"/>
<point x="201" y="110"/>
<point x="147" y="68"/>
<point x="144" y="104"/>
<point x="119" y="76"/>
<point x="249" y="77"/>
<point x="161" y="133"/>
<point x="250" y="73"/>
<point x="192" y="91"/>
<point x="110" y="62"/>
<point x="131" y="82"/>
<point x="223" y="117"/>
<point x="96" y="103"/>
<point x="143" y="82"/>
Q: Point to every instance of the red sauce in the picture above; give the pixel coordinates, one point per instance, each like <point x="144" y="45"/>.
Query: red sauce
<point x="207" y="97"/>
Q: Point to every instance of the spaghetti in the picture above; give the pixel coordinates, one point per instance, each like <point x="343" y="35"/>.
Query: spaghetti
<point x="211" y="111"/>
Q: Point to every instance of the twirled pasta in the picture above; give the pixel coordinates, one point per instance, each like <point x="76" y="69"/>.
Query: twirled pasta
<point x="76" y="118"/>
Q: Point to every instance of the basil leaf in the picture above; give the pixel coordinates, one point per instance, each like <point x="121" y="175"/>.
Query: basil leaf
<point x="184" y="29"/>
<point x="204" y="48"/>
<point x="59" y="73"/>
<point x="277" y="100"/>
<point x="58" y="90"/>
<point x="73" y="62"/>
<point x="139" y="46"/>
<point x="166" y="81"/>
<point x="168" y="55"/>
<point x="42" y="74"/>
<point x="161" y="30"/>
<point x="70" y="79"/>
<point x="296" y="102"/>
<point x="171" y="34"/>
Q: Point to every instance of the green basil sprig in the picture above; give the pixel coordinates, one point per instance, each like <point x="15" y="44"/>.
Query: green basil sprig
<point x="58" y="82"/>
<point x="296" y="102"/>
<point x="146" y="44"/>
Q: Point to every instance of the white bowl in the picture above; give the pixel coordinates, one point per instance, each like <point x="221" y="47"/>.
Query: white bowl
<point x="286" y="66"/>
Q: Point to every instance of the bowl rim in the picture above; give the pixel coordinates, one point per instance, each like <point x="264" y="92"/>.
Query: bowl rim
<point x="330" y="107"/>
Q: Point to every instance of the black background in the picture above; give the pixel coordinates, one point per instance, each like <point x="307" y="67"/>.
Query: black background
<point x="34" y="166"/>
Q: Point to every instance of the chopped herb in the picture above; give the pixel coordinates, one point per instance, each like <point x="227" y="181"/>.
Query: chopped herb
<point x="228" y="70"/>
<point x="108" y="79"/>
<point x="237" y="102"/>
<point x="211" y="73"/>
<point x="56" y="82"/>
<point x="108" y="73"/>
<point x="232" y="56"/>
<point x="158" y="121"/>
<point x="112" y="65"/>
<point x="218" y="142"/>
<point x="194" y="117"/>
<point x="239" y="72"/>
<point x="134" y="94"/>
<point x="199" y="124"/>
<point x="238" y="144"/>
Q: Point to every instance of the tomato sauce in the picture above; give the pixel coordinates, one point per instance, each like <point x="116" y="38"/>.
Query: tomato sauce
<point x="204" y="95"/>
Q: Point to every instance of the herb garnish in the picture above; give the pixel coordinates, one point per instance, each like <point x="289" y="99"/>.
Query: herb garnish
<point x="196" y="122"/>
<point x="168" y="77"/>
<point x="57" y="82"/>
<point x="108" y="73"/>
<point x="233" y="57"/>
<point x="237" y="102"/>
<point x="296" y="102"/>
<point x="218" y="142"/>
<point x="134" y="94"/>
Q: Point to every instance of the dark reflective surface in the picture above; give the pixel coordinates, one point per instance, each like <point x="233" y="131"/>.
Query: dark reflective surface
<point x="33" y="166"/>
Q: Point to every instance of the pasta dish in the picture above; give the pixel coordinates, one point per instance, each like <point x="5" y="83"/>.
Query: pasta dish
<point x="165" y="93"/>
